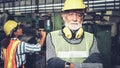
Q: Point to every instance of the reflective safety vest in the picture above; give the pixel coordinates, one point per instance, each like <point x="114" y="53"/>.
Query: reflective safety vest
<point x="72" y="52"/>
<point x="9" y="54"/>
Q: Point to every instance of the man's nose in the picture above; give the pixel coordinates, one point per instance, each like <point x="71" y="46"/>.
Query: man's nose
<point x="74" y="17"/>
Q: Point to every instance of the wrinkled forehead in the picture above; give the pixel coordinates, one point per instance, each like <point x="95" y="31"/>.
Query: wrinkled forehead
<point x="74" y="11"/>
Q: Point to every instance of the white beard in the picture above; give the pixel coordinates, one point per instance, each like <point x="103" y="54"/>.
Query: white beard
<point x="73" y="25"/>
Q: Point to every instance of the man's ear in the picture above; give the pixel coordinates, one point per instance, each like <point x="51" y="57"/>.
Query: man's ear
<point x="63" y="16"/>
<point x="82" y="19"/>
<point x="14" y="33"/>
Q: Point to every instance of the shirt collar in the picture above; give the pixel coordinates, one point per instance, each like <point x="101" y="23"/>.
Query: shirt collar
<point x="14" y="38"/>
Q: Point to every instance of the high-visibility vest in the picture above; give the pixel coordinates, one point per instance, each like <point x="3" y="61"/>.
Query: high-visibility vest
<point x="72" y="52"/>
<point x="9" y="54"/>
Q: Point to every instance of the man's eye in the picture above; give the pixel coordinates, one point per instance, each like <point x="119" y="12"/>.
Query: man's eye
<point x="80" y="14"/>
<point x="70" y="14"/>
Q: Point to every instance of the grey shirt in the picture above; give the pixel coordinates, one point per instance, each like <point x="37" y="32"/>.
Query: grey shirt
<point x="93" y="61"/>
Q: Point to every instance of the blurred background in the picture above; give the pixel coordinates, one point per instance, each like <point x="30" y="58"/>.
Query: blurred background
<point x="102" y="19"/>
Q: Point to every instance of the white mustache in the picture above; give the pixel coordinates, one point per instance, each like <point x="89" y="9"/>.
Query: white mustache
<point x="74" y="22"/>
<point x="73" y="25"/>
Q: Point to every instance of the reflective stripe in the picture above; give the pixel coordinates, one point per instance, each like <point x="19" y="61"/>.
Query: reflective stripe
<point x="11" y="54"/>
<point x="73" y="54"/>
